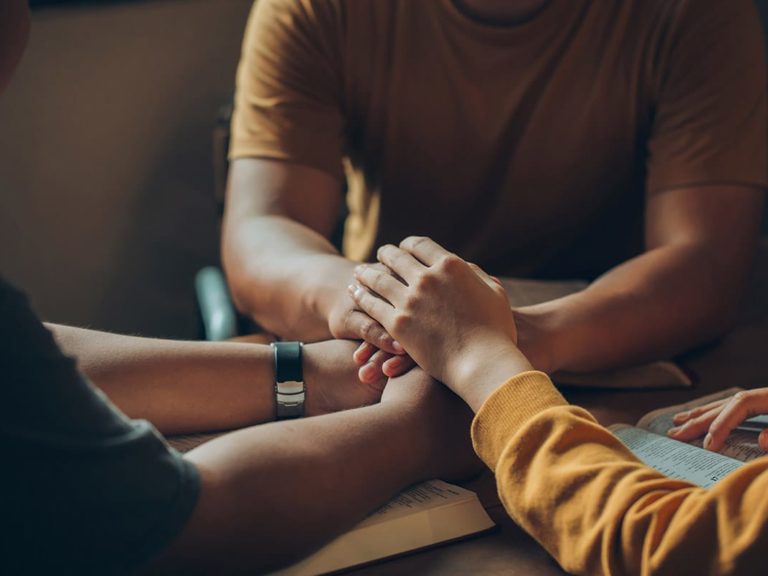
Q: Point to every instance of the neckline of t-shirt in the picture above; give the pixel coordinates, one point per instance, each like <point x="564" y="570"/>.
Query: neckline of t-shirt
<point x="543" y="21"/>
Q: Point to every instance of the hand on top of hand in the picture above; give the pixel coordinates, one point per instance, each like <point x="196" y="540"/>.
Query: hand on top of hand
<point x="380" y="355"/>
<point x="717" y="419"/>
<point x="442" y="311"/>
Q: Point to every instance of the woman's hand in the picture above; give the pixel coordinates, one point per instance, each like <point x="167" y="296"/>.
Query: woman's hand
<point x="331" y="379"/>
<point x="374" y="362"/>
<point x="453" y="319"/>
<point x="717" y="419"/>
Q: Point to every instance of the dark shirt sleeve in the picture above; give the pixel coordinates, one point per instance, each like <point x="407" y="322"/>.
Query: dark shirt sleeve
<point x="83" y="489"/>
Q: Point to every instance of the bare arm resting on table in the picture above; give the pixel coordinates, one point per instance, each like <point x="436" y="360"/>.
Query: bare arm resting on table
<point x="205" y="386"/>
<point x="271" y="493"/>
<point x="283" y="270"/>
<point x="564" y="478"/>
<point x="683" y="291"/>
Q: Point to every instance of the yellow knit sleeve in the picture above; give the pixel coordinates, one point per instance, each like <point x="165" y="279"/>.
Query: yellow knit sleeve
<point x="581" y="493"/>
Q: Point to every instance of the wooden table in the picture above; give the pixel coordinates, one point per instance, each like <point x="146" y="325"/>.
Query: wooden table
<point x="738" y="360"/>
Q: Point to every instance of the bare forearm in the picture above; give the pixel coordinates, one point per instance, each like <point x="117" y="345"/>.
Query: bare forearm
<point x="178" y="386"/>
<point x="205" y="386"/>
<point x="283" y="275"/>
<point x="274" y="492"/>
<point x="653" y="306"/>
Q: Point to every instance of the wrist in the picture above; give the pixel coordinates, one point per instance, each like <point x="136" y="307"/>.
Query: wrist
<point x="483" y="367"/>
<point x="331" y="287"/>
<point x="536" y="338"/>
<point x="290" y="391"/>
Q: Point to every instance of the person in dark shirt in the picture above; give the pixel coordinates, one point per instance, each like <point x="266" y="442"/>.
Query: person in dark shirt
<point x="89" y="485"/>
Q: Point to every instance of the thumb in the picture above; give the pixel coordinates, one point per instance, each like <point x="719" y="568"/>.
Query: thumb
<point x="762" y="440"/>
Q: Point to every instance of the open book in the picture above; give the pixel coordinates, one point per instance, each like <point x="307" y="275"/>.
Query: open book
<point x="689" y="461"/>
<point x="662" y="374"/>
<point x="426" y="515"/>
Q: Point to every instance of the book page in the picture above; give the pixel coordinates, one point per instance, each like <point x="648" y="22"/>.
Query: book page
<point x="741" y="444"/>
<point x="676" y="459"/>
<point x="419" y="498"/>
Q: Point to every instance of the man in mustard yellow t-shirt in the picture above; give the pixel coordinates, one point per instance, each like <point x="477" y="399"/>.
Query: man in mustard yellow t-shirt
<point x="620" y="142"/>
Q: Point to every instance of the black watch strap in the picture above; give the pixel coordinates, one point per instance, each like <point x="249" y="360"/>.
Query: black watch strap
<point x="289" y="380"/>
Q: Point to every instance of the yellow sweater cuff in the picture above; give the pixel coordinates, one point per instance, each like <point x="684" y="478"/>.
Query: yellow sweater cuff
<point x="509" y="408"/>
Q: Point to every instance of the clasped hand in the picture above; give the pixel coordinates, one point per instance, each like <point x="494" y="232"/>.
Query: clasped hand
<point x="434" y="304"/>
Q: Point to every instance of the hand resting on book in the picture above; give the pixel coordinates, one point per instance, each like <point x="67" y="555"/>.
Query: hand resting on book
<point x="719" y="418"/>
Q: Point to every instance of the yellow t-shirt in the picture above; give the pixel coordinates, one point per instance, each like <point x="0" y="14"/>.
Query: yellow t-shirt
<point x="527" y="149"/>
<point x="598" y="510"/>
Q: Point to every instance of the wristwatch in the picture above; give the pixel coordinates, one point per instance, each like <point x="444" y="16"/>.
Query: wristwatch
<point x="289" y="380"/>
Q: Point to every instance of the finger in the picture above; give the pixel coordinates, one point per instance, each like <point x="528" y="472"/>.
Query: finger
<point x="400" y="262"/>
<point x="398" y="365"/>
<point x="380" y="282"/>
<point x="362" y="325"/>
<point x="762" y="440"/>
<point x="740" y="407"/>
<point x="686" y="415"/>
<point x="425" y="249"/>
<point x="372" y="371"/>
<point x="363" y="353"/>
<point x="694" y="427"/>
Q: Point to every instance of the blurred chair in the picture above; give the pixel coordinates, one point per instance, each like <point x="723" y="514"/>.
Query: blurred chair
<point x="218" y="318"/>
<point x="217" y="315"/>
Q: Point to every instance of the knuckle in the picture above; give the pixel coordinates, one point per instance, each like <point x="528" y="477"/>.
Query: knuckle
<point x="384" y="251"/>
<point x="424" y="281"/>
<point x="411" y="304"/>
<point x="377" y="283"/>
<point x="412" y="241"/>
<point x="741" y="402"/>
<point x="367" y="330"/>
<point x="401" y="322"/>
<point x="448" y="263"/>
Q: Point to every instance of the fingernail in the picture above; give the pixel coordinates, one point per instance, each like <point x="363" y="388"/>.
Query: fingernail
<point x="673" y="431"/>
<point x="397" y="347"/>
<point x="394" y="363"/>
<point x="359" y="268"/>
<point x="369" y="371"/>
<point x="351" y="288"/>
<point x="707" y="441"/>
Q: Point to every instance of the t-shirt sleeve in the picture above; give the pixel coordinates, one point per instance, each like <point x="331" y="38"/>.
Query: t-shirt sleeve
<point x="289" y="85"/>
<point x="709" y="122"/>
<point x="84" y="490"/>
<point x="597" y="509"/>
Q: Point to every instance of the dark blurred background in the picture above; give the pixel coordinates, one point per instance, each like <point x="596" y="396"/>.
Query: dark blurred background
<point x="106" y="207"/>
